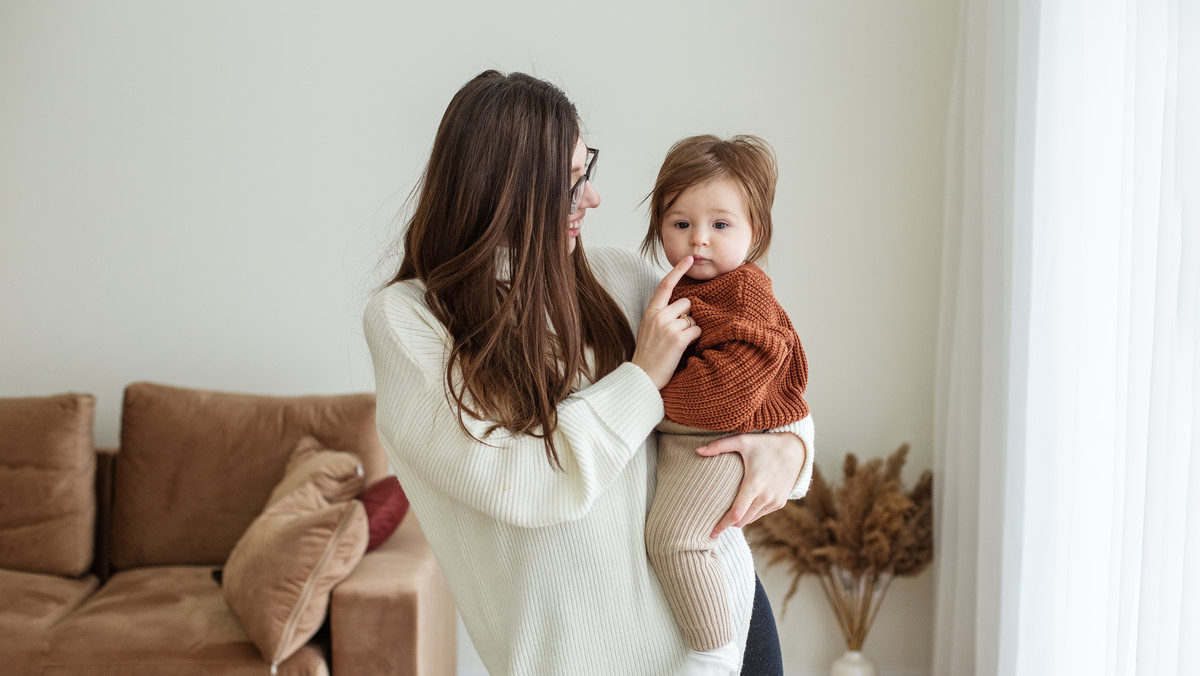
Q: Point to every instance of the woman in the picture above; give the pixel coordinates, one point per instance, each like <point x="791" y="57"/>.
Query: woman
<point x="518" y="410"/>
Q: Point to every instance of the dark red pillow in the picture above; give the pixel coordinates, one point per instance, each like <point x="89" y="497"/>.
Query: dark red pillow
<point x="386" y="506"/>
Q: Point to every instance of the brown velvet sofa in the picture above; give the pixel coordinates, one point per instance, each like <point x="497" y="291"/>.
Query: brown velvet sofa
<point x="107" y="557"/>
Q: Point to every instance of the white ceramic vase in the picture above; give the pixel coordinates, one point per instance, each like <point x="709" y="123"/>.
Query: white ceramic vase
<point x="853" y="663"/>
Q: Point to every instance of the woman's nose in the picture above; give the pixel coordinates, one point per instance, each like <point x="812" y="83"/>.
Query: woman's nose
<point x="590" y="198"/>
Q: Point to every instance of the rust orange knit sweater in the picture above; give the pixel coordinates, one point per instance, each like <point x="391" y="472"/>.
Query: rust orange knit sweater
<point x="748" y="370"/>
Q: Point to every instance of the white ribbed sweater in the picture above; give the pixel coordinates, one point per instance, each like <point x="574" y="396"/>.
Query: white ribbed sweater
<point x="548" y="568"/>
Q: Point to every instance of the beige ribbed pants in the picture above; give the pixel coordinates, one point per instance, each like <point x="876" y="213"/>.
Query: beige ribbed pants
<point x="693" y="493"/>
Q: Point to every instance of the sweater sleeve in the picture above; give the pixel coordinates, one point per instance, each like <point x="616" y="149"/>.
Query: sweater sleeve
<point x="722" y="386"/>
<point x="504" y="475"/>
<point x="804" y="429"/>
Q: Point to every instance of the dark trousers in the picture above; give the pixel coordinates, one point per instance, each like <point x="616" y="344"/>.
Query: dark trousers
<point x="763" y="656"/>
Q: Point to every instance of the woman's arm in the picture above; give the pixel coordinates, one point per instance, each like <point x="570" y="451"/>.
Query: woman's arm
<point x="502" y="474"/>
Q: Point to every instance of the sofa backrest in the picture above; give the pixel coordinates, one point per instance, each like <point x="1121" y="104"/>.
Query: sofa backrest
<point x="196" y="467"/>
<point x="47" y="483"/>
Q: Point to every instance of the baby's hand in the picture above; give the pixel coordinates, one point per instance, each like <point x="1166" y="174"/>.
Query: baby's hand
<point x="666" y="329"/>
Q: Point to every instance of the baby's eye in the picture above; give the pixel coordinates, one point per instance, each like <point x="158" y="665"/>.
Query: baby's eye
<point x="720" y="225"/>
<point x="681" y="225"/>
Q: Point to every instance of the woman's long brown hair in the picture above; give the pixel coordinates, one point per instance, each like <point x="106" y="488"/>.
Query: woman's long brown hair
<point x="488" y="238"/>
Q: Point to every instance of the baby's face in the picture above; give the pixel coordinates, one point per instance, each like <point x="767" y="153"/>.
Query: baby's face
<point x="710" y="222"/>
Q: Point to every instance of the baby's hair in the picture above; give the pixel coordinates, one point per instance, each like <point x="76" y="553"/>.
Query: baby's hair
<point x="747" y="160"/>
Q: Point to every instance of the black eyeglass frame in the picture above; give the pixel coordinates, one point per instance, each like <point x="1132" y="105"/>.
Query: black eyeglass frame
<point x="577" y="189"/>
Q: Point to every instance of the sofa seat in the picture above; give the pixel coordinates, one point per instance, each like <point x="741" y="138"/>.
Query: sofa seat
<point x="30" y="604"/>
<point x="163" y="621"/>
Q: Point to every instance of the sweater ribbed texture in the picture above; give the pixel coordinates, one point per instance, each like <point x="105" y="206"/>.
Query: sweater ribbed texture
<point x="548" y="568"/>
<point x="748" y="370"/>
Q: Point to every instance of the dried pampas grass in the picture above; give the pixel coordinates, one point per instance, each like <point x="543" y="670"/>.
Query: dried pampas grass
<point x="855" y="538"/>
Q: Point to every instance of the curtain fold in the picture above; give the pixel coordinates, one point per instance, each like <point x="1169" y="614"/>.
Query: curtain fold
<point x="1067" y="437"/>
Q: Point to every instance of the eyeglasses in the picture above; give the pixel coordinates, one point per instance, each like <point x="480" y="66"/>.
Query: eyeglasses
<point x="577" y="189"/>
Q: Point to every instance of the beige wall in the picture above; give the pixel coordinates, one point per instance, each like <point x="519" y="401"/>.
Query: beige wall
<point x="199" y="193"/>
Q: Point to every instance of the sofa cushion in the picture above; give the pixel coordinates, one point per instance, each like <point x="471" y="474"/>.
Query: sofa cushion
<point x="337" y="474"/>
<point x="31" y="603"/>
<point x="280" y="573"/>
<point x="47" y="484"/>
<point x="386" y="505"/>
<point x="168" y="621"/>
<point x="196" y="467"/>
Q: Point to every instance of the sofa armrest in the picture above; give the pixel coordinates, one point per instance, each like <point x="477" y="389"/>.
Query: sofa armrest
<point x="394" y="614"/>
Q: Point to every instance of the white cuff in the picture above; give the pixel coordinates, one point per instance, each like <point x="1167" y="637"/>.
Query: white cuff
<point x="805" y="430"/>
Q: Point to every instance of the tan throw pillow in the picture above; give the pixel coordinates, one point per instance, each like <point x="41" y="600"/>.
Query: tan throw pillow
<point x="337" y="474"/>
<point x="280" y="573"/>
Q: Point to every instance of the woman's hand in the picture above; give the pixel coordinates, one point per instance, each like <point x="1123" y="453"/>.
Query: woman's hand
<point x="772" y="463"/>
<point x="665" y="330"/>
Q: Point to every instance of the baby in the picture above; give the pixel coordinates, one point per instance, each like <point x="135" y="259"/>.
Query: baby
<point x="747" y="372"/>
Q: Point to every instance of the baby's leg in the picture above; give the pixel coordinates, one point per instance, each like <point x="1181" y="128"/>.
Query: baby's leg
<point x="693" y="493"/>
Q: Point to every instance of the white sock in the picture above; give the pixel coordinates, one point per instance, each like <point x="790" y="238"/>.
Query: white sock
<point x="723" y="661"/>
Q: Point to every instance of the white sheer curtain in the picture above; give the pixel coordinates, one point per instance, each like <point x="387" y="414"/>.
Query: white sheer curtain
<point x="1067" y="438"/>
